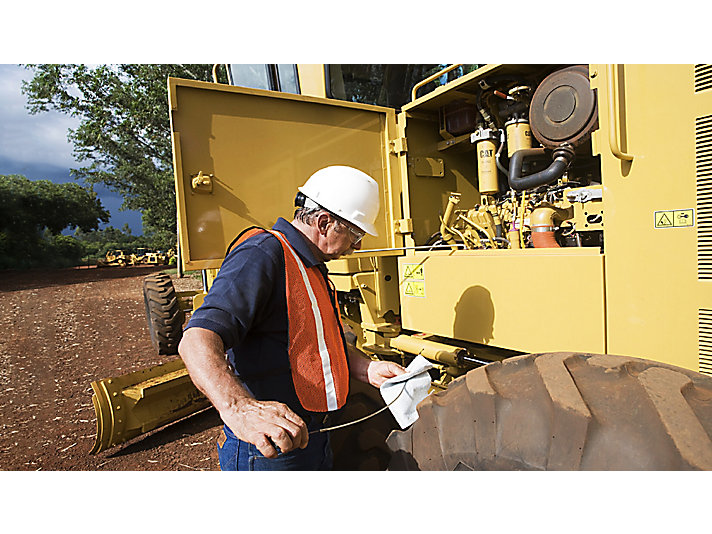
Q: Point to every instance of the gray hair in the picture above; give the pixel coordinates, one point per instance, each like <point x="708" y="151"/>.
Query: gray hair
<point x="307" y="215"/>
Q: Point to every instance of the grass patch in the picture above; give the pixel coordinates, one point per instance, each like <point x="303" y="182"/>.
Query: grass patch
<point x="191" y="274"/>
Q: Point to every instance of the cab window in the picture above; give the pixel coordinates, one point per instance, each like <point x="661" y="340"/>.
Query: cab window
<point x="288" y="79"/>
<point x="252" y="76"/>
<point x="272" y="77"/>
<point x="384" y="85"/>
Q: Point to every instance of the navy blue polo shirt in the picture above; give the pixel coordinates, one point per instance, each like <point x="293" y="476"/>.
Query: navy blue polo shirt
<point x="247" y="307"/>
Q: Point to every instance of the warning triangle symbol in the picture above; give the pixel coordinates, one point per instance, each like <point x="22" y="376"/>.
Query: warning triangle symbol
<point x="409" y="289"/>
<point x="664" y="220"/>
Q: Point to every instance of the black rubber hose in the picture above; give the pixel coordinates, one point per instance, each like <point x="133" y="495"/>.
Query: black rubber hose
<point x="563" y="156"/>
<point x="484" y="112"/>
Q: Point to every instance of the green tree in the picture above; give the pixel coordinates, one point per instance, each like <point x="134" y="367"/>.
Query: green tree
<point x="124" y="131"/>
<point x="98" y="242"/>
<point x="34" y="214"/>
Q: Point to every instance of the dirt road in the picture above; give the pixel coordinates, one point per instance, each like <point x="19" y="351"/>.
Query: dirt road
<point x="59" y="331"/>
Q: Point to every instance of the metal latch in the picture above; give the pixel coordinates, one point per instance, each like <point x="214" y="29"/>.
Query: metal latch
<point x="202" y="183"/>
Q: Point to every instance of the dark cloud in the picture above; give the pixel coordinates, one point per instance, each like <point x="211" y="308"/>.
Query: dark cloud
<point x="36" y="146"/>
<point x="57" y="174"/>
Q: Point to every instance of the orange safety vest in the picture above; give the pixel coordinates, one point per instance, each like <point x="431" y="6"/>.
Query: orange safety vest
<point x="317" y="355"/>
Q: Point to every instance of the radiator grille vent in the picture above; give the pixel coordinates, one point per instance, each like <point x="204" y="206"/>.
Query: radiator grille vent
<point x="703" y="162"/>
<point x="705" y="341"/>
<point x="703" y="77"/>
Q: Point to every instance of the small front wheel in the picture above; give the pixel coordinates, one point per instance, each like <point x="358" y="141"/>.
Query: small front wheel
<point x="163" y="313"/>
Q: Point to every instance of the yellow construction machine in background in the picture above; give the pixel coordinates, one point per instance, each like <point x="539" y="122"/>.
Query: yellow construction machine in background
<point x="116" y="258"/>
<point x="524" y="209"/>
<point x="142" y="256"/>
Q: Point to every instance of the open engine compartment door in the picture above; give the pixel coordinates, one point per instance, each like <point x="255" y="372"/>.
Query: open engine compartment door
<point x="240" y="154"/>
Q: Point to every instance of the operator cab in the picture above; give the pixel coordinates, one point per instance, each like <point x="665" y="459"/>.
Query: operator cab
<point x="381" y="85"/>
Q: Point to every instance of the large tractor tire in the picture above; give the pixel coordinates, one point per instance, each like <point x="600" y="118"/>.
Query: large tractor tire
<point x="563" y="411"/>
<point x="163" y="313"/>
<point x="361" y="447"/>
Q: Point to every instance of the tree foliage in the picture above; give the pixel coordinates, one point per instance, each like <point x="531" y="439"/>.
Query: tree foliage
<point x="98" y="242"/>
<point x="124" y="130"/>
<point x="34" y="214"/>
<point x="123" y="135"/>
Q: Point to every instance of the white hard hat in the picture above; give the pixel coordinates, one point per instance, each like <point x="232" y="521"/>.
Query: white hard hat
<point x="347" y="192"/>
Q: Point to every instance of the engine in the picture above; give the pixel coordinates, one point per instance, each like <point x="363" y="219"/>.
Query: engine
<point x="539" y="184"/>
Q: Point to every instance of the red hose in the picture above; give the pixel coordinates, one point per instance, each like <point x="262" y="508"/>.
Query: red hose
<point x="544" y="240"/>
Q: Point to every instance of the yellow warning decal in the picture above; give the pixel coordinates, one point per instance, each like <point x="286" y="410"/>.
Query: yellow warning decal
<point x="414" y="288"/>
<point x="414" y="271"/>
<point x="413" y="280"/>
<point x="675" y="218"/>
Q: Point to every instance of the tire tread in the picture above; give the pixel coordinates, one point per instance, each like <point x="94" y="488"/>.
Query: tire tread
<point x="563" y="411"/>
<point x="163" y="313"/>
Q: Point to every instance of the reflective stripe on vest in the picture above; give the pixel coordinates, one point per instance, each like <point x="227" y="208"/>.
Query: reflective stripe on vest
<point x="317" y="355"/>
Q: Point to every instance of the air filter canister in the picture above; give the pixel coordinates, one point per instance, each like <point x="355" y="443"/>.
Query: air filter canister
<point x="564" y="108"/>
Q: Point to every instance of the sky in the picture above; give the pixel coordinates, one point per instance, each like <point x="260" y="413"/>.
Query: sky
<point x="36" y="146"/>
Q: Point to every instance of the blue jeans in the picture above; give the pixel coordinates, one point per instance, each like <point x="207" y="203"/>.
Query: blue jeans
<point x="238" y="455"/>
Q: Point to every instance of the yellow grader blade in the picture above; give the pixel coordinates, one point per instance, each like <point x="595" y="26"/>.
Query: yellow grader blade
<point x="130" y="405"/>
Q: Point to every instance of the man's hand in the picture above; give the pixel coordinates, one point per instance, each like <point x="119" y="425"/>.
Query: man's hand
<point x="370" y="371"/>
<point x="268" y="425"/>
<point x="265" y="424"/>
<point x="379" y="372"/>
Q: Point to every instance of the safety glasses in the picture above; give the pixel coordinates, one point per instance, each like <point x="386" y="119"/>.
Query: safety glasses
<point x="355" y="235"/>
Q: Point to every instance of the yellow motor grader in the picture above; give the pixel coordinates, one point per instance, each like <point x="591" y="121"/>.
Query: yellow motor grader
<point x="545" y="240"/>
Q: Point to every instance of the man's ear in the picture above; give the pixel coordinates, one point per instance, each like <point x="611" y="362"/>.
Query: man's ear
<point x="322" y="222"/>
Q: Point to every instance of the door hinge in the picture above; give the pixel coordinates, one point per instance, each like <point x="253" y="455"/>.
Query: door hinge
<point x="403" y="226"/>
<point x="399" y="145"/>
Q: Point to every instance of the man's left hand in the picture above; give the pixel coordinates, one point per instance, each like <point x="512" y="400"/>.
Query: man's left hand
<point x="379" y="372"/>
<point x="374" y="372"/>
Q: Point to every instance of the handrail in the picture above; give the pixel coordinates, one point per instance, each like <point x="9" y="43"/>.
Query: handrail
<point x="215" y="71"/>
<point x="612" y="118"/>
<point x="431" y="78"/>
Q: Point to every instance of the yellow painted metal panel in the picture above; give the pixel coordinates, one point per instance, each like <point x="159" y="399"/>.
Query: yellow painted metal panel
<point x="653" y="292"/>
<point x="343" y="282"/>
<point x="427" y="196"/>
<point x="257" y="147"/>
<point x="311" y="79"/>
<point x="519" y="300"/>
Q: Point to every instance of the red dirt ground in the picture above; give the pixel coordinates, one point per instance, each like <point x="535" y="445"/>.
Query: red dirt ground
<point x="59" y="331"/>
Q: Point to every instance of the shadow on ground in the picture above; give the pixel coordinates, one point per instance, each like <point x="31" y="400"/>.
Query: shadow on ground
<point x="18" y="280"/>
<point x="190" y="425"/>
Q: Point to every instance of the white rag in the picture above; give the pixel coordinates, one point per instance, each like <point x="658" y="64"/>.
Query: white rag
<point x="416" y="382"/>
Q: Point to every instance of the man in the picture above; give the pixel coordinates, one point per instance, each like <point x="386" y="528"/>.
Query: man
<point x="273" y="310"/>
